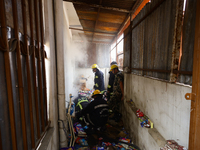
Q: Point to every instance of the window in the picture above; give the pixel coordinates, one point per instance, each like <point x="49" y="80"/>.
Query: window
<point x="116" y="53"/>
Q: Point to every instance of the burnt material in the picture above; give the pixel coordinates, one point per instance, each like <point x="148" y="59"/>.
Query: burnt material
<point x="177" y="40"/>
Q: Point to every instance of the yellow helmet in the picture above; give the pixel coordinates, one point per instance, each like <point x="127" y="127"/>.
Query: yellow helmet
<point x="94" y="66"/>
<point x="113" y="67"/>
<point x="96" y="92"/>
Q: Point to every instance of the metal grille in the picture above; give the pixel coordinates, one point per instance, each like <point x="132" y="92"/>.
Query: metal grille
<point x="23" y="103"/>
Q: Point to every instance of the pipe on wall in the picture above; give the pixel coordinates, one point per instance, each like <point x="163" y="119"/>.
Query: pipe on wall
<point x="59" y="48"/>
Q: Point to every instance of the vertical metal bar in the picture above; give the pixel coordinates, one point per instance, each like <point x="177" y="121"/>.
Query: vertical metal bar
<point x="43" y="58"/>
<point x="176" y="40"/>
<point x="8" y="74"/>
<point x="20" y="80"/>
<point x="39" y="63"/>
<point x="195" y="105"/>
<point x="34" y="69"/>
<point x="28" y="71"/>
<point x="130" y="63"/>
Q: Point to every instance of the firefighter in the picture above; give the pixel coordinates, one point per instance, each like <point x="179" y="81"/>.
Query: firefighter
<point x="96" y="112"/>
<point x="80" y="103"/>
<point x="110" y="82"/>
<point x="98" y="78"/>
<point x="118" y="92"/>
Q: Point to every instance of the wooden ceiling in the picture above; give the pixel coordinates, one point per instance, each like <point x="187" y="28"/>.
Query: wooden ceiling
<point x="102" y="20"/>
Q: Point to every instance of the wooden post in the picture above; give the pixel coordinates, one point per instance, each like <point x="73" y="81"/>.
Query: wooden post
<point x="194" y="137"/>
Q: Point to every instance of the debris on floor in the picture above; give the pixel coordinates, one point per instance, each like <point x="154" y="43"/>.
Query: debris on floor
<point x="109" y="138"/>
<point x="173" y="145"/>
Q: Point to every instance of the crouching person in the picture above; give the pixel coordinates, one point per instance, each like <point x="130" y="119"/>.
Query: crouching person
<point x="81" y="103"/>
<point x="96" y="113"/>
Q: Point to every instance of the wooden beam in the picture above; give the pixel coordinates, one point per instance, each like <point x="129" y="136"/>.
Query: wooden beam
<point x="96" y="22"/>
<point x="98" y="6"/>
<point x="194" y="136"/>
<point x="96" y="42"/>
<point x="176" y="40"/>
<point x="127" y="19"/>
<point x="92" y="31"/>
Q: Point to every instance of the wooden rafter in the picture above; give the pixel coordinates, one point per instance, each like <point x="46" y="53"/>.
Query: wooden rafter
<point x="96" y="22"/>
<point x="92" y="31"/>
<point x="127" y="19"/>
<point x="98" y="6"/>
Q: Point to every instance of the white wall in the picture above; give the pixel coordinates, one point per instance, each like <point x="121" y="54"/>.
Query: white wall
<point x="51" y="71"/>
<point x="69" y="65"/>
<point x="164" y="103"/>
<point x="76" y="53"/>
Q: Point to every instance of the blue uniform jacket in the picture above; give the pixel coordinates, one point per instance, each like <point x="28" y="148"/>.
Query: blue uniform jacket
<point x="99" y="81"/>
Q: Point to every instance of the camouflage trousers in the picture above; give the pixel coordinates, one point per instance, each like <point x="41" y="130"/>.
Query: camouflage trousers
<point x="115" y="102"/>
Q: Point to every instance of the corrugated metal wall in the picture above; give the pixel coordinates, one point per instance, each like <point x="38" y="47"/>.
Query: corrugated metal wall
<point x="188" y="41"/>
<point x="152" y="41"/>
<point x="126" y="47"/>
